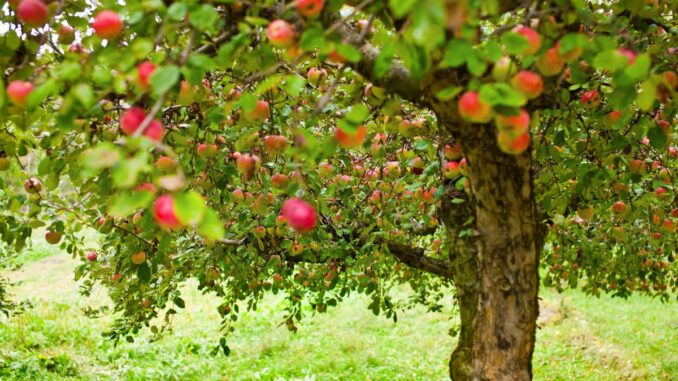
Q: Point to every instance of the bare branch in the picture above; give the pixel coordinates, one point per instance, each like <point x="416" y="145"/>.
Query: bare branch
<point x="415" y="258"/>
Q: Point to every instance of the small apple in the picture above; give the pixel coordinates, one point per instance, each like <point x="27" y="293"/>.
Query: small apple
<point x="164" y="213"/>
<point x="66" y="34"/>
<point x="619" y="208"/>
<point x="32" y="185"/>
<point x="260" y="113"/>
<point x="637" y="166"/>
<point x="591" y="99"/>
<point x="315" y="76"/>
<point x="91" y="256"/>
<point x="550" y="63"/>
<point x="17" y="91"/>
<point x="300" y="215"/>
<point x="309" y="8"/>
<point x="463" y="167"/>
<point x="514" y="124"/>
<point x="206" y="150"/>
<point x="275" y="144"/>
<point x="503" y="69"/>
<point x="280" y="181"/>
<point x="511" y="144"/>
<point x="166" y="163"/>
<point x="452" y="152"/>
<point x="417" y="165"/>
<point x="662" y="193"/>
<point x="280" y="33"/>
<point x="353" y="139"/>
<point x="248" y="165"/>
<point x="52" y="237"/>
<point x="532" y="37"/>
<point x="144" y="72"/>
<point x="5" y="162"/>
<point x="139" y="258"/>
<point x="528" y="83"/>
<point x="33" y="13"/>
<point x="629" y="54"/>
<point x="107" y="25"/>
<point x="451" y="170"/>
<point x="474" y="110"/>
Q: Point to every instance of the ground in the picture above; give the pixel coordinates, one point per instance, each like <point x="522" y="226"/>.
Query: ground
<point x="582" y="338"/>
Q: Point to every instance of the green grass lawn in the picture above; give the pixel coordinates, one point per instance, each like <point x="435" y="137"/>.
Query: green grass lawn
<point x="582" y="338"/>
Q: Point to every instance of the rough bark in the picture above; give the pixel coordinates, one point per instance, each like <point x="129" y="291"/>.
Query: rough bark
<point x="499" y="311"/>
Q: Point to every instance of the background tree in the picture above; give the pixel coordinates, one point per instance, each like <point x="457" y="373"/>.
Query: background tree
<point x="319" y="148"/>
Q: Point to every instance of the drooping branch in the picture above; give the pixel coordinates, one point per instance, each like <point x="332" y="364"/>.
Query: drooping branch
<point x="415" y="258"/>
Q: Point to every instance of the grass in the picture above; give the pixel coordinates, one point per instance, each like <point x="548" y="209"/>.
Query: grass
<point x="582" y="339"/>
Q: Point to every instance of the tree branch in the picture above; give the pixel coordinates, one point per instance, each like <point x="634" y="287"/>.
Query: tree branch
<point x="414" y="257"/>
<point x="397" y="78"/>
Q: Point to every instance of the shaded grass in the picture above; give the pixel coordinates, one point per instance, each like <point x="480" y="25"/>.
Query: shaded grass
<point x="582" y="339"/>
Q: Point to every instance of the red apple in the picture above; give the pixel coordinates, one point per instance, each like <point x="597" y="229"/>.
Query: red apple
<point x="513" y="145"/>
<point x="315" y="76"/>
<point x="591" y="99"/>
<point x="503" y="69"/>
<point x="33" y="13"/>
<point x="260" y="113"/>
<point x="139" y="257"/>
<point x="91" y="256"/>
<point x="619" y="207"/>
<point x="551" y="63"/>
<point x="206" y="150"/>
<point x="131" y="120"/>
<point x="309" y="8"/>
<point x="107" y="24"/>
<point x="473" y="110"/>
<point x="32" y="185"/>
<point x="275" y="144"/>
<point x="514" y="124"/>
<point x="528" y="83"/>
<point x="532" y="37"/>
<point x="637" y="166"/>
<point x="351" y="140"/>
<point x="630" y="55"/>
<point x="451" y="170"/>
<point x="280" y="33"/>
<point x="144" y="71"/>
<point x="66" y="34"/>
<point x="452" y="152"/>
<point x="17" y="91"/>
<point x="52" y="237"/>
<point x="668" y="226"/>
<point x="300" y="215"/>
<point x="163" y="211"/>
<point x="166" y="163"/>
<point x="248" y="165"/>
<point x="280" y="181"/>
<point x="662" y="193"/>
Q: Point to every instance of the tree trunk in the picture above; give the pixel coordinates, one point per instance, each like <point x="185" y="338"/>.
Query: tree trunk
<point x="498" y="311"/>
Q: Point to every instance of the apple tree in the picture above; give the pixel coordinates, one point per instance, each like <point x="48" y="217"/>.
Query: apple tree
<point x="315" y="149"/>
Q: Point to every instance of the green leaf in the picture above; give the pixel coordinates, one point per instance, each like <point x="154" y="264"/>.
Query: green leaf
<point x="640" y="68"/>
<point x="177" y="11"/>
<point x="658" y="138"/>
<point x="293" y="84"/>
<point x="610" y="60"/>
<point x="501" y="94"/>
<point x="456" y="53"/>
<point x="103" y="156"/>
<point x="357" y="114"/>
<point x="384" y="60"/>
<point x="448" y="93"/>
<point x="127" y="203"/>
<point x="125" y="172"/>
<point x="84" y="93"/>
<point x="211" y="227"/>
<point x="646" y="96"/>
<point x="189" y="207"/>
<point x="204" y="18"/>
<point x="572" y="41"/>
<point x="313" y="38"/>
<point x="247" y="102"/>
<point x="476" y="64"/>
<point x="40" y="93"/>
<point x="144" y="272"/>
<point x="164" y="78"/>
<point x="514" y="42"/>
<point x="350" y="52"/>
<point x="401" y="7"/>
